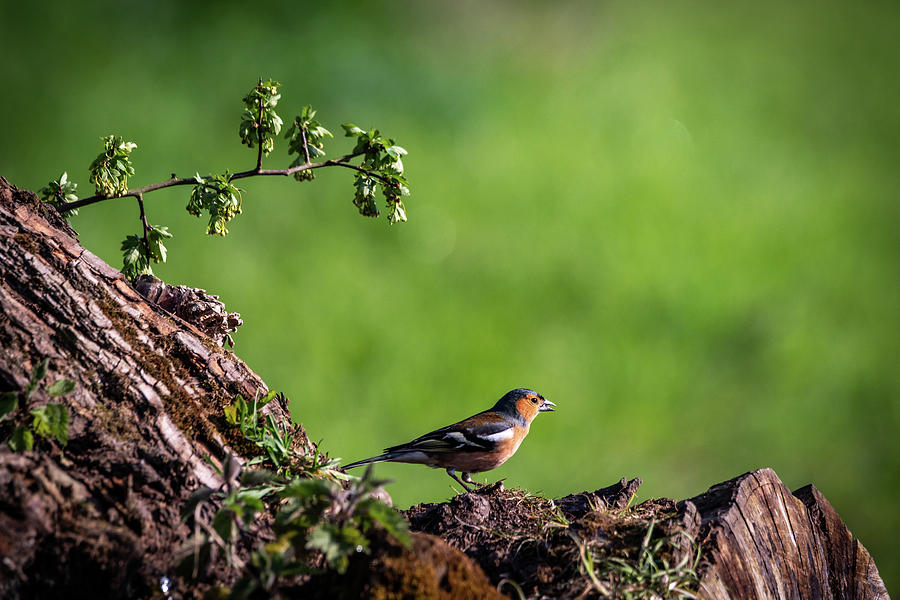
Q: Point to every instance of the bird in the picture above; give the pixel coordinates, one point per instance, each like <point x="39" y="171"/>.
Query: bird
<point x="480" y="443"/>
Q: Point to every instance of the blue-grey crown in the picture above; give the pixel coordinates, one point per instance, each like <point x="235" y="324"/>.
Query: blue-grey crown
<point x="507" y="404"/>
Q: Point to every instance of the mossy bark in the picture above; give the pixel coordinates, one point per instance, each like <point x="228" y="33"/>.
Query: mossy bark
<point x="102" y="514"/>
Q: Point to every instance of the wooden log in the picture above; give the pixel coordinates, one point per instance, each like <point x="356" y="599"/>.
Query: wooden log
<point x="761" y="541"/>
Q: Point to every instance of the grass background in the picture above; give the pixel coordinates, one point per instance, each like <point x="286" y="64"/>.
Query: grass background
<point x="676" y="220"/>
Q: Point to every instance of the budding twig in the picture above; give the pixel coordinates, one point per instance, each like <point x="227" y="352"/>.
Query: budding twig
<point x="217" y="195"/>
<point x="336" y="162"/>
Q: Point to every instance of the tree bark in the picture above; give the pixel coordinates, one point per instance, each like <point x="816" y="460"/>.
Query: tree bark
<point x="103" y="514"/>
<point x="762" y="541"/>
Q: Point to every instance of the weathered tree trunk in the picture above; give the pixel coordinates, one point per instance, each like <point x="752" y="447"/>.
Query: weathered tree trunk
<point x="101" y="516"/>
<point x="103" y="513"/>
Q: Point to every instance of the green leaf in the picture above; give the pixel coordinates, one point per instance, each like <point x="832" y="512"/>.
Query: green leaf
<point x="39" y="371"/>
<point x="247" y="506"/>
<point x="364" y="197"/>
<point x="161" y="232"/>
<point x="223" y="523"/>
<point x="59" y="191"/>
<point x="259" y="121"/>
<point x="155" y="236"/>
<point x="268" y="398"/>
<point x="21" y="440"/>
<point x="8" y="403"/>
<point x="337" y="543"/>
<point x="305" y="125"/>
<point x="220" y="198"/>
<point x="61" y="387"/>
<point x="391" y="520"/>
<point x="306" y="488"/>
<point x="160" y="250"/>
<point x="351" y="130"/>
<point x="231" y="414"/>
<point x="201" y="494"/>
<point x="397" y="214"/>
<point x="111" y="168"/>
<point x="134" y="257"/>
<point x="252" y="477"/>
<point x="51" y="420"/>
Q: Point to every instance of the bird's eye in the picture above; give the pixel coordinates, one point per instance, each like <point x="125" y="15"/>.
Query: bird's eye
<point x="534" y="400"/>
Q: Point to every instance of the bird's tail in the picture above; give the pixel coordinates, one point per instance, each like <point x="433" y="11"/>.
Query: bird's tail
<point x="368" y="461"/>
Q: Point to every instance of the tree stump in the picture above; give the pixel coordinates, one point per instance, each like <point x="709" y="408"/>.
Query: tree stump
<point x="761" y="541"/>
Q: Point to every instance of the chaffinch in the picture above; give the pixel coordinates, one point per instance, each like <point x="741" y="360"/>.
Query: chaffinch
<point x="480" y="443"/>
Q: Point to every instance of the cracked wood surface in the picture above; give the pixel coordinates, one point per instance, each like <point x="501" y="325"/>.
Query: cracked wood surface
<point x="145" y="412"/>
<point x="761" y="541"/>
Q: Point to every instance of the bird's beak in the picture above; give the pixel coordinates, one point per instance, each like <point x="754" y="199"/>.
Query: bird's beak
<point x="547" y="406"/>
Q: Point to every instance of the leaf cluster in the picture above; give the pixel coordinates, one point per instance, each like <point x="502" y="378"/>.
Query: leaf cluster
<point x="263" y="431"/>
<point x="219" y="198"/>
<point x="315" y="515"/>
<point x="138" y="252"/>
<point x="260" y="124"/>
<point x="306" y="139"/>
<point x="312" y="517"/>
<point x="48" y="421"/>
<point x="337" y="521"/>
<point x="112" y="167"/>
<point x="276" y="441"/>
<point x="383" y="162"/>
<point x="58" y="191"/>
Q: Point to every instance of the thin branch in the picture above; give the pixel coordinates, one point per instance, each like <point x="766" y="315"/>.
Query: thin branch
<point x="259" y="138"/>
<point x="340" y="162"/>
<point x="175" y="181"/>
<point x="140" y="201"/>
<point x="305" y="146"/>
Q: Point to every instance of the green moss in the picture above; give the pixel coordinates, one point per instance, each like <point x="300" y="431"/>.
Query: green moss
<point x="114" y="423"/>
<point x="198" y="419"/>
<point x="28" y="241"/>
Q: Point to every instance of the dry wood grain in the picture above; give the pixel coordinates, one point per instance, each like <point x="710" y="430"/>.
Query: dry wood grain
<point x="762" y="541"/>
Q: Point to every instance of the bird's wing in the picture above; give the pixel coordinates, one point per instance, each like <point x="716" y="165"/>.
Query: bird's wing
<point x="480" y="433"/>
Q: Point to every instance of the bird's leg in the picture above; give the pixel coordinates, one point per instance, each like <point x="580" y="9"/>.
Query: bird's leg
<point x="468" y="479"/>
<point x="452" y="473"/>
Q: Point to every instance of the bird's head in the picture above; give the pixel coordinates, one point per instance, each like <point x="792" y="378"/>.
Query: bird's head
<point x="524" y="403"/>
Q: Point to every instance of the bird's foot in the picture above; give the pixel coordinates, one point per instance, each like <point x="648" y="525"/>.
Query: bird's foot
<point x="462" y="481"/>
<point x="468" y="479"/>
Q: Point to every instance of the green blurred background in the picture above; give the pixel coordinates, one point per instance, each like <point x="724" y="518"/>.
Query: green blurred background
<point x="676" y="220"/>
